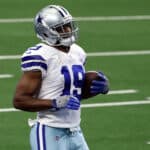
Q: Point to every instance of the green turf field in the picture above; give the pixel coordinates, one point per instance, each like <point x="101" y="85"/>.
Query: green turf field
<point x="105" y="128"/>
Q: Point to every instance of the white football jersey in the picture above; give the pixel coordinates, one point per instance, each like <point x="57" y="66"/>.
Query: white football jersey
<point x="62" y="74"/>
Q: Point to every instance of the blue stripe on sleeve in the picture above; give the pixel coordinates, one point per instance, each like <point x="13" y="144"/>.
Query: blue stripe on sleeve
<point x="32" y="57"/>
<point x="34" y="64"/>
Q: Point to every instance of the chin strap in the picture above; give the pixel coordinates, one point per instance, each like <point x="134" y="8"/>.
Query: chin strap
<point x="67" y="41"/>
<point x="62" y="42"/>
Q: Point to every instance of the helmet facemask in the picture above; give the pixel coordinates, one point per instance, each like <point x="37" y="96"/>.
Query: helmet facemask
<point x="66" y="33"/>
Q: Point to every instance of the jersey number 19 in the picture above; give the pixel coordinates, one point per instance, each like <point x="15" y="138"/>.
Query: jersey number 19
<point x="74" y="77"/>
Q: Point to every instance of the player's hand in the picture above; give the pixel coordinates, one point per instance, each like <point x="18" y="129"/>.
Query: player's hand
<point x="100" y="86"/>
<point x="69" y="102"/>
<point x="73" y="103"/>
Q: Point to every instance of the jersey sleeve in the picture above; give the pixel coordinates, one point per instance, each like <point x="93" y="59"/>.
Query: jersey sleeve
<point x="34" y="62"/>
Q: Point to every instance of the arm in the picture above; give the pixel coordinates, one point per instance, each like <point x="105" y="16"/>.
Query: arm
<point x="26" y="91"/>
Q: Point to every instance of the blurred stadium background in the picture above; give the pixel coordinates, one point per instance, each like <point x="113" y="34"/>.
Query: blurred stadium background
<point x="125" y="127"/>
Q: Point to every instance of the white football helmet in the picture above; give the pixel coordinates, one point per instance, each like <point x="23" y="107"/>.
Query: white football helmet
<point x="51" y="23"/>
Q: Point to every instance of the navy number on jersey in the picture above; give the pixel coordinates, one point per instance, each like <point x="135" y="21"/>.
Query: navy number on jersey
<point x="35" y="48"/>
<point x="74" y="77"/>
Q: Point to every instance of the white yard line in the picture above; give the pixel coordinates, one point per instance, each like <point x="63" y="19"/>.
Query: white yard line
<point x="88" y="18"/>
<point x="8" y="110"/>
<point x="6" y="57"/>
<point x="148" y="142"/>
<point x="114" y="18"/>
<point x="2" y="76"/>
<point x="126" y="103"/>
<point x="93" y="54"/>
<point x="119" y="53"/>
<point x="112" y="104"/>
<point x="16" y="20"/>
<point x="129" y="91"/>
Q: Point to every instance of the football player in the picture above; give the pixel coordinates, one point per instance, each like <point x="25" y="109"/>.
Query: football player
<point x="51" y="83"/>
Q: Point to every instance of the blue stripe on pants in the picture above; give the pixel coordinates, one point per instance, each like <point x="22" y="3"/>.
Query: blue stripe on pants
<point x="37" y="135"/>
<point x="40" y="134"/>
<point x="44" y="140"/>
<point x="44" y="137"/>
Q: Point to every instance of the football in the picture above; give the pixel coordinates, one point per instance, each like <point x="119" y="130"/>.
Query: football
<point x="89" y="77"/>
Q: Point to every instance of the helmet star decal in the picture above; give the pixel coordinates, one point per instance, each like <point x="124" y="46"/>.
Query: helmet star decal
<point x="39" y="19"/>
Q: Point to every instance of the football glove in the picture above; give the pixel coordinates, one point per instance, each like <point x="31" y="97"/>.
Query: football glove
<point x="100" y="86"/>
<point x="69" y="102"/>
